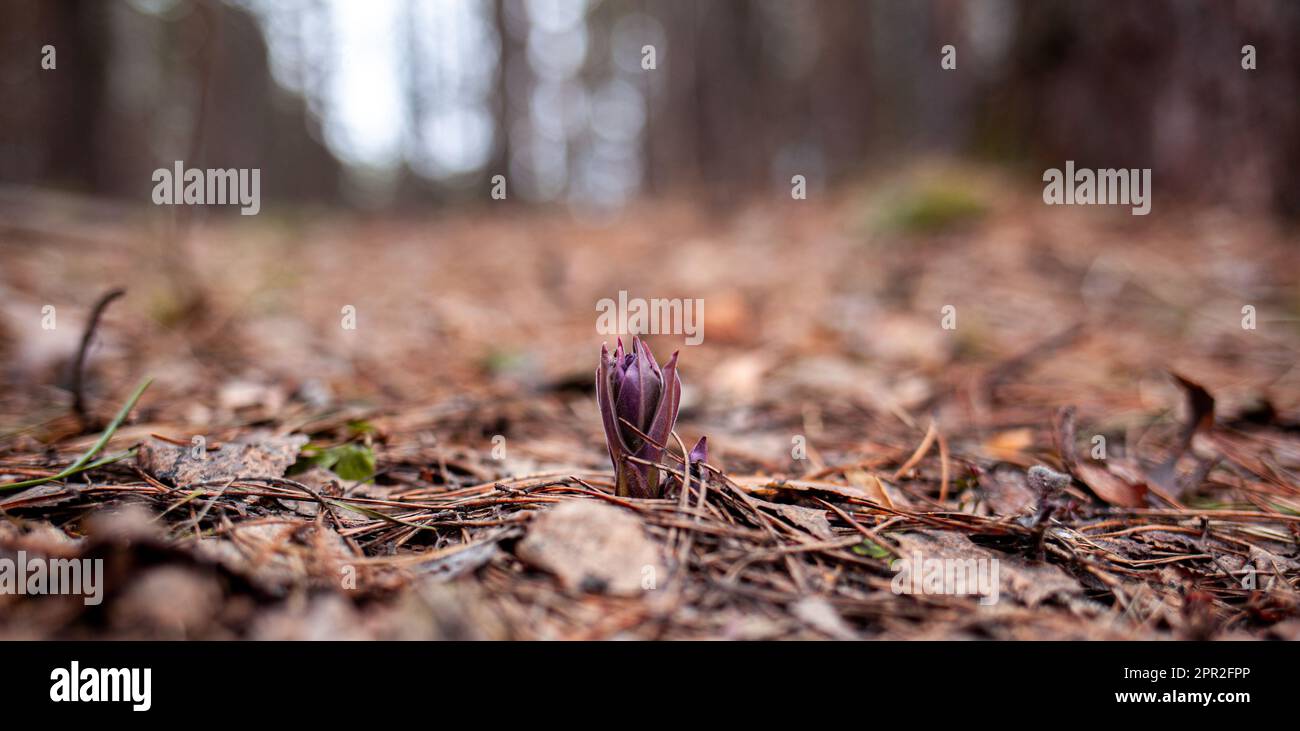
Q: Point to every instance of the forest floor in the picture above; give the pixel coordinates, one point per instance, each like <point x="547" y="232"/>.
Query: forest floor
<point x="879" y="370"/>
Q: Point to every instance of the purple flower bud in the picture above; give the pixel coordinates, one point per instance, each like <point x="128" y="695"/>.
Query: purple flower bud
<point x="638" y="404"/>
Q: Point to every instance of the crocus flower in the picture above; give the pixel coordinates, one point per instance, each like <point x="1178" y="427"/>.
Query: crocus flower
<point x="638" y="403"/>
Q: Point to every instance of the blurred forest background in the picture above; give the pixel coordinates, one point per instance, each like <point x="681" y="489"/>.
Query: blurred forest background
<point x="384" y="307"/>
<point x="402" y="104"/>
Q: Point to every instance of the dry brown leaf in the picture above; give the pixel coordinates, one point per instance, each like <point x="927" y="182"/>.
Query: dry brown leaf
<point x="1109" y="487"/>
<point x="1010" y="445"/>
<point x="768" y="486"/>
<point x="812" y="520"/>
<point x="872" y="484"/>
<point x="818" y="613"/>
<point x="259" y="454"/>
<point x="1005" y="490"/>
<point x="593" y="547"/>
<point x="1117" y="490"/>
<point x="1030" y="582"/>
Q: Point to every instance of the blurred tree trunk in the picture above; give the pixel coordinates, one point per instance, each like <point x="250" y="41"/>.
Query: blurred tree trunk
<point x="512" y="70"/>
<point x="1161" y="85"/>
<point x="48" y="123"/>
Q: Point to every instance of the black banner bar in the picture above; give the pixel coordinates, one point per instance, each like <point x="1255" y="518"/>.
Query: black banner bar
<point x="329" y="681"/>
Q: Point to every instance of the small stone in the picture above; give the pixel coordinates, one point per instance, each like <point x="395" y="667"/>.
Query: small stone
<point x="594" y="547"/>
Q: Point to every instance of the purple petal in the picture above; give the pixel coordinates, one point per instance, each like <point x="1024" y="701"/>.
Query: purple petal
<point x="644" y="348"/>
<point x="605" y="403"/>
<point x="652" y="386"/>
<point x="700" y="452"/>
<point x="665" y="417"/>
<point x="631" y="403"/>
